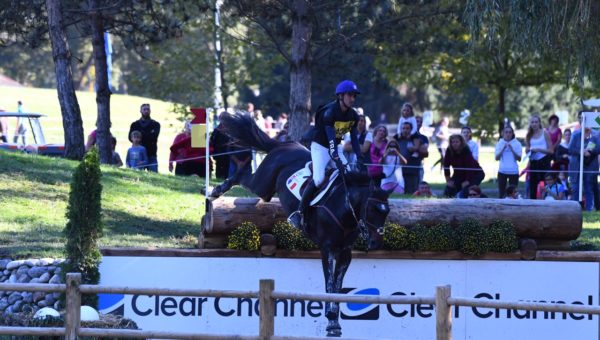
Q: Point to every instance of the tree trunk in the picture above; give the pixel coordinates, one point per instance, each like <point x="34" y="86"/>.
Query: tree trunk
<point x="103" y="140"/>
<point x="548" y="220"/>
<point x="300" y="70"/>
<point x="501" y="108"/>
<point x="71" y="114"/>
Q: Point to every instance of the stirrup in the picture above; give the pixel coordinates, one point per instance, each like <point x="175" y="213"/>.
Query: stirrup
<point x="296" y="220"/>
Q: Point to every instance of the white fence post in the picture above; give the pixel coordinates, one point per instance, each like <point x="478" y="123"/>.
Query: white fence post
<point x="267" y="309"/>
<point x="443" y="313"/>
<point x="73" y="308"/>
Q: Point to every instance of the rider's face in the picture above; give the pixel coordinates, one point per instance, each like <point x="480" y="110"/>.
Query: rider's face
<point x="349" y="99"/>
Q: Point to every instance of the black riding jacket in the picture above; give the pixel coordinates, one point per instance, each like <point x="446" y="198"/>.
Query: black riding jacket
<point x="331" y="118"/>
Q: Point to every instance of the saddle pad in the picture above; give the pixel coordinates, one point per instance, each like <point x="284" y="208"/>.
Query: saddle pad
<point x="299" y="178"/>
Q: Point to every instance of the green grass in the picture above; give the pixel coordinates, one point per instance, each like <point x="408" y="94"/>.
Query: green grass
<point x="140" y="209"/>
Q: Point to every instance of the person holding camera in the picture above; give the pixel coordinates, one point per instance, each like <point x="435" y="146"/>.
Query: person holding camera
<point x="391" y="162"/>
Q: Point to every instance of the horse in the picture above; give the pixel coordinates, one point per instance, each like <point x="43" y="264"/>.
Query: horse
<point x="352" y="206"/>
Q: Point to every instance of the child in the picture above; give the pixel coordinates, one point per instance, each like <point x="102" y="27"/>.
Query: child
<point x="553" y="190"/>
<point x="116" y="158"/>
<point x="424" y="190"/>
<point x="137" y="157"/>
<point x="512" y="193"/>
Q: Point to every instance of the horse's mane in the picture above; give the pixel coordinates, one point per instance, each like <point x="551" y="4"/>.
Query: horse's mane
<point x="245" y="133"/>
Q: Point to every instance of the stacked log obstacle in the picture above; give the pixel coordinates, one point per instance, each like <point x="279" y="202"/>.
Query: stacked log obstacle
<point x="552" y="224"/>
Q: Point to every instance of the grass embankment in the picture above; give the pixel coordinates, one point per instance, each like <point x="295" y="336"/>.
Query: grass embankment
<point x="140" y="209"/>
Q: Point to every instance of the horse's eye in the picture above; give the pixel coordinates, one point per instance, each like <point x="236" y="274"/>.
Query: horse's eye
<point x="382" y="208"/>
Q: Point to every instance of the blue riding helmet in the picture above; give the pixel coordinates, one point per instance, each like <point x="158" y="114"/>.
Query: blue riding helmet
<point x="346" y="86"/>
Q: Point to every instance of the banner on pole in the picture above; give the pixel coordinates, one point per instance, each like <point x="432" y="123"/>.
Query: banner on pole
<point x="592" y="119"/>
<point x="198" y="127"/>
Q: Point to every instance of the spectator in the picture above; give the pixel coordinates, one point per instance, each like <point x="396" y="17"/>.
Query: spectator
<point x="188" y="160"/>
<point x="376" y="153"/>
<point x="137" y="156"/>
<point x="512" y="192"/>
<point x="4" y="128"/>
<point x="250" y="109"/>
<point x="21" y="130"/>
<point x="365" y="138"/>
<point x="591" y="146"/>
<point x="269" y="130"/>
<point x="473" y="146"/>
<point x="440" y="137"/>
<point x="423" y="149"/>
<point x="539" y="147"/>
<point x="116" y="158"/>
<point x="508" y="152"/>
<point x="424" y="190"/>
<point x="282" y="135"/>
<point x="150" y="129"/>
<point x="407" y="115"/>
<point x="554" y="189"/>
<point x="391" y="161"/>
<point x="282" y="120"/>
<point x="554" y="131"/>
<point x="410" y="172"/>
<point x="91" y="140"/>
<point x="466" y="170"/>
<point x="475" y="192"/>
<point x="561" y="153"/>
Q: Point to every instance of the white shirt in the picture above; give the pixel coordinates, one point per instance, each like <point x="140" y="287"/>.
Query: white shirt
<point x="411" y="120"/>
<point x="508" y="163"/>
<point x="474" y="147"/>
<point x="392" y="171"/>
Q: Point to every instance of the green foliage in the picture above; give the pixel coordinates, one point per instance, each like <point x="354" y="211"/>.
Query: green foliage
<point x="396" y="237"/>
<point x="472" y="237"/>
<point x="441" y="237"/>
<point x="290" y="238"/>
<point x="84" y="225"/>
<point x="360" y="244"/>
<point x="244" y="237"/>
<point x="502" y="237"/>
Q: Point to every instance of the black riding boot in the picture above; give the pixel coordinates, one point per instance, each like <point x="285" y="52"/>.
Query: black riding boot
<point x="296" y="219"/>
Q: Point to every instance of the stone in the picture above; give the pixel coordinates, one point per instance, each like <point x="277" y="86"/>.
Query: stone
<point x="42" y="304"/>
<point x="55" y="279"/>
<point x="3" y="263"/>
<point x="37" y="296"/>
<point x="31" y="263"/>
<point x="36" y="271"/>
<point x="12" y="278"/>
<point x="58" y="270"/>
<point x="27" y="309"/>
<point x="14" y="297"/>
<point x="50" y="299"/>
<point x="14" y="264"/>
<point x="22" y="270"/>
<point x="6" y="272"/>
<point x="27" y="297"/>
<point x="23" y="278"/>
<point x="9" y="310"/>
<point x="56" y="295"/>
<point x="16" y="308"/>
<point x="35" y="280"/>
<point x="51" y="269"/>
<point x="3" y="305"/>
<point x="44" y="278"/>
<point x="57" y="305"/>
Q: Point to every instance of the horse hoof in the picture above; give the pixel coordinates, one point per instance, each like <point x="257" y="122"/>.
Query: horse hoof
<point x="334" y="333"/>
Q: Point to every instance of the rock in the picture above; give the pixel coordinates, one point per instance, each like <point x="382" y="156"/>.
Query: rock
<point x="17" y="306"/>
<point x="23" y="278"/>
<point x="57" y="262"/>
<point x="51" y="269"/>
<point x="27" y="297"/>
<point x="31" y="263"/>
<point x="37" y="296"/>
<point x="22" y="270"/>
<point x="14" y="264"/>
<point x="27" y="309"/>
<point x="44" y="278"/>
<point x="36" y="271"/>
<point x="57" y="305"/>
<point x="55" y="279"/>
<point x="58" y="270"/>
<point x="12" y="278"/>
<point x="42" y="304"/>
<point x="3" y="305"/>
<point x="56" y="295"/>
<point x="14" y="297"/>
<point x="3" y="263"/>
<point x="9" y="310"/>
<point x="35" y="280"/>
<point x="50" y="299"/>
<point x="3" y="278"/>
<point x="6" y="272"/>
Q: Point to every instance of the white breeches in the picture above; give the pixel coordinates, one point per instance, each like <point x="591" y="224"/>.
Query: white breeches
<point x="321" y="160"/>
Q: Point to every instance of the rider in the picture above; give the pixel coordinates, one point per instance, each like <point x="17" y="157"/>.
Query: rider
<point x="332" y="121"/>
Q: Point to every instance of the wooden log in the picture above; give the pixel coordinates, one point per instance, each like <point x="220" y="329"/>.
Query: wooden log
<point x="528" y="248"/>
<point x="268" y="244"/>
<point x="536" y="219"/>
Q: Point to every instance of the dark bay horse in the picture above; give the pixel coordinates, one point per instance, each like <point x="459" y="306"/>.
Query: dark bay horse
<point x="353" y="204"/>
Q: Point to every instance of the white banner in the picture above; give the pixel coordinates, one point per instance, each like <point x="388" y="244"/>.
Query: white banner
<point x="568" y="282"/>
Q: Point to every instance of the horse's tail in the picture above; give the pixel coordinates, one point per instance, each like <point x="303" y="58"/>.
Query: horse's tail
<point x="244" y="131"/>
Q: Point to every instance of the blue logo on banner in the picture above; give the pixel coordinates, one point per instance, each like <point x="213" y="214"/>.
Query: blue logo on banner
<point x="359" y="311"/>
<point x="111" y="304"/>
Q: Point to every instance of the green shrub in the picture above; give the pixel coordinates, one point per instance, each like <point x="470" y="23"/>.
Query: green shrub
<point x="290" y="238"/>
<point x="84" y="224"/>
<point x="418" y="238"/>
<point x="244" y="237"/>
<point x="502" y="237"/>
<point x="441" y="237"/>
<point x="472" y="238"/>
<point x="396" y="237"/>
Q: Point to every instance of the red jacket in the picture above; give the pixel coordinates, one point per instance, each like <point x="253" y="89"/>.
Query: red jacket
<point x="182" y="149"/>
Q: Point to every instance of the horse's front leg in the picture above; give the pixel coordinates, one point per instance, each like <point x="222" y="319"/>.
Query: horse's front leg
<point x="327" y="258"/>
<point x="239" y="177"/>
<point x="342" y="262"/>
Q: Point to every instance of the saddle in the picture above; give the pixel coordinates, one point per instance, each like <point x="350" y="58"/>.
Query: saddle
<point x="300" y="179"/>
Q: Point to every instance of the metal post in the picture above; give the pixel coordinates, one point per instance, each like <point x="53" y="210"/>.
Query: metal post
<point x="73" y="310"/>
<point x="443" y="313"/>
<point x="267" y="309"/>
